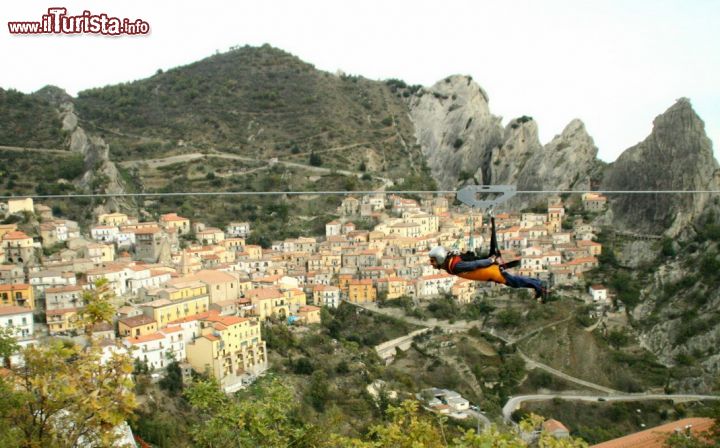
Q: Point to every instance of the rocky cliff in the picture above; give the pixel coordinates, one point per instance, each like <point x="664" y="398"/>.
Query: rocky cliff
<point x="456" y="131"/>
<point x="677" y="155"/>
<point x="101" y="175"/>
<point x="568" y="162"/>
<point x="465" y="143"/>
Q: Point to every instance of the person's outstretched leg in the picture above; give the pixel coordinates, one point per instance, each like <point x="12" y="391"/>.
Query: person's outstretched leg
<point x="518" y="281"/>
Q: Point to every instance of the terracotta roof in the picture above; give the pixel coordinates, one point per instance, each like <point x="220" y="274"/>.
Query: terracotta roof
<point x="211" y="337"/>
<point x="583" y="260"/>
<point x="62" y="311"/>
<point x="9" y="310"/>
<point x="127" y="309"/>
<point x="325" y="288"/>
<point x="225" y="320"/>
<point x="264" y="293"/>
<point x="137" y="321"/>
<point x="436" y="276"/>
<point x="191" y="318"/>
<point x="14" y="287"/>
<point x="103" y="271"/>
<point x="146" y="338"/>
<point x="355" y="282"/>
<point x="553" y="425"/>
<point x="157" y="303"/>
<point x="172" y="217"/>
<point x="16" y="235"/>
<point x="392" y="279"/>
<point x="308" y="309"/>
<point x="212" y="276"/>
<point x="656" y="437"/>
<point x="61" y="289"/>
<point x="138" y="268"/>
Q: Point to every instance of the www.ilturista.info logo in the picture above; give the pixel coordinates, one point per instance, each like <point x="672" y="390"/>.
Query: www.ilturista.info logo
<point x="56" y="21"/>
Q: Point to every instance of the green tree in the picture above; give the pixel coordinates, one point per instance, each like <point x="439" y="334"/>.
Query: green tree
<point x="315" y="159"/>
<point x="64" y="396"/>
<point x="319" y="391"/>
<point x="618" y="339"/>
<point x="172" y="382"/>
<point x="267" y="417"/>
<point x="8" y="346"/>
<point x="98" y="306"/>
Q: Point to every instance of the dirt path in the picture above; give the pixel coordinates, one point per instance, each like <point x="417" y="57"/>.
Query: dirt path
<point x="63" y="152"/>
<point x="181" y="158"/>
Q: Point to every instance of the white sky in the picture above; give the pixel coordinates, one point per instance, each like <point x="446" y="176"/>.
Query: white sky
<point x="613" y="64"/>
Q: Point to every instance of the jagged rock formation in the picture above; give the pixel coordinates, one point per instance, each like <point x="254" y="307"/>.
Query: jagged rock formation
<point x="677" y="155"/>
<point x="520" y="143"/>
<point x="568" y="162"/>
<point x="101" y="175"/>
<point x="463" y="142"/>
<point x="682" y="324"/>
<point x="456" y="130"/>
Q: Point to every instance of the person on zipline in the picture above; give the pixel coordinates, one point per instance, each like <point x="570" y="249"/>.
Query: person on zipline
<point x="483" y="269"/>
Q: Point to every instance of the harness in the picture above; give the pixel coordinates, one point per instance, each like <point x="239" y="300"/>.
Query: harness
<point x="491" y="273"/>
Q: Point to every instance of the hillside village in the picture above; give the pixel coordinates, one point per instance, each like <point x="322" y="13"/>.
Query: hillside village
<point x="198" y="295"/>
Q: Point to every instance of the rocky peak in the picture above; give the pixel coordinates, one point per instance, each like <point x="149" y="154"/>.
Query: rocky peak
<point x="565" y="163"/>
<point x="456" y="130"/>
<point x="677" y="155"/>
<point x="520" y="142"/>
<point x="53" y="95"/>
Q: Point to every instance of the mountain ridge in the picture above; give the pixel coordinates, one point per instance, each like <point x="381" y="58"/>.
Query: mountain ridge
<point x="269" y="105"/>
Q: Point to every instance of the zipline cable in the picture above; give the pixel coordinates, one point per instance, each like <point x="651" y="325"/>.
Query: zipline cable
<point x="338" y="193"/>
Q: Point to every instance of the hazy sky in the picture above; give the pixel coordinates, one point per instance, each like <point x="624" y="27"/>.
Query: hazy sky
<point x="613" y="64"/>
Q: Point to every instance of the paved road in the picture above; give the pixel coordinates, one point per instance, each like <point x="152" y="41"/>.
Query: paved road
<point x="515" y="402"/>
<point x="532" y="364"/>
<point x="459" y="325"/>
<point x="388" y="349"/>
<point x="484" y="421"/>
<point x="464" y="326"/>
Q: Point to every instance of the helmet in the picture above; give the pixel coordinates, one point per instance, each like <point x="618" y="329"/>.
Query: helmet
<point x="439" y="254"/>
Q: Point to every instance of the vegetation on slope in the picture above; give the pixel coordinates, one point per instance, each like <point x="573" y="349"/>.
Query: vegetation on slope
<point x="28" y="121"/>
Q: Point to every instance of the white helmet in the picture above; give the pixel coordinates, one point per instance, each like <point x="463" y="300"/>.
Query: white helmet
<point x="438" y="253"/>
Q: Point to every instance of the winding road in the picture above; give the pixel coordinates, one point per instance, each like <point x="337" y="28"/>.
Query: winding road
<point x="515" y="402"/>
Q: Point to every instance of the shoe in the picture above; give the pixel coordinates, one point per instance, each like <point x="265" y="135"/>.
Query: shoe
<point x="542" y="294"/>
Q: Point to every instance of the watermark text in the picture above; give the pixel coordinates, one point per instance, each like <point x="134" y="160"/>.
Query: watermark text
<point x="57" y="21"/>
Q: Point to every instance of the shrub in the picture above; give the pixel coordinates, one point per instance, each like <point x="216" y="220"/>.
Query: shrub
<point x="315" y="159"/>
<point x="303" y="366"/>
<point x="618" y="338"/>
